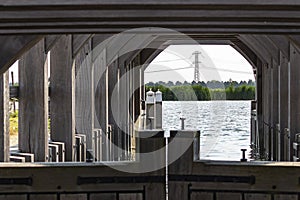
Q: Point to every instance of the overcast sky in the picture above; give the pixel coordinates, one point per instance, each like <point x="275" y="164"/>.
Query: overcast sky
<point x="216" y="62"/>
<point x="176" y="63"/>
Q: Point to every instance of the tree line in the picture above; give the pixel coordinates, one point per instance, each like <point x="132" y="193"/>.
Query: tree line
<point x="198" y="92"/>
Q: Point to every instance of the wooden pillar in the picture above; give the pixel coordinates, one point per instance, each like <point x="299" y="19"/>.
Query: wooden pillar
<point x="33" y="103"/>
<point x="84" y="93"/>
<point x="259" y="100"/>
<point x="100" y="91"/>
<point x="123" y="109"/>
<point x="275" y="117"/>
<point x="266" y="102"/>
<point x="62" y="104"/>
<point x="283" y="99"/>
<point x="4" y="117"/>
<point x="113" y="84"/>
<point x="294" y="95"/>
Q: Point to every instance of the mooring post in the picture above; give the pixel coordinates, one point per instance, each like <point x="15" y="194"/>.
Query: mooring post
<point x="4" y="117"/>
<point x="33" y="102"/>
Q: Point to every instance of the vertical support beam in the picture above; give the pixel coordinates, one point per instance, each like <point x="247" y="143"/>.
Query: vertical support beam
<point x="275" y="114"/>
<point x="294" y="95"/>
<point x="4" y="117"/>
<point x="266" y="103"/>
<point x="123" y="109"/>
<point x="113" y="84"/>
<point x="62" y="81"/>
<point x="100" y="91"/>
<point x="33" y="102"/>
<point x="283" y="99"/>
<point x="84" y="93"/>
<point x="259" y="100"/>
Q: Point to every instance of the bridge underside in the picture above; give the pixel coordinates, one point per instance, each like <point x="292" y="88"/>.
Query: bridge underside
<point x="90" y="56"/>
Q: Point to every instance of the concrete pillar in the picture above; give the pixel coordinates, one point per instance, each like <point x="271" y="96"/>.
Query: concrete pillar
<point x="294" y="95"/>
<point x="283" y="99"/>
<point x="33" y="103"/>
<point x="62" y="104"/>
<point x="100" y="91"/>
<point x="4" y="117"/>
<point x="84" y="93"/>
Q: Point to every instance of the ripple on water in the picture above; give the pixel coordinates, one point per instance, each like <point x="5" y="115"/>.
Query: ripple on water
<point x="224" y="125"/>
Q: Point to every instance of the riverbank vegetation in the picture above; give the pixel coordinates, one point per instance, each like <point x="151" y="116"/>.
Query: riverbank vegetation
<point x="213" y="90"/>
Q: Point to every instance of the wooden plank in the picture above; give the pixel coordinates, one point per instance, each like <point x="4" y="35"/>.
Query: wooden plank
<point x="231" y="196"/>
<point x="285" y="197"/>
<point x="33" y="91"/>
<point x="113" y="84"/>
<point x="294" y="92"/>
<point x="4" y="117"/>
<point x="50" y="41"/>
<point x="84" y="94"/>
<point x="14" y="197"/>
<point x="257" y="197"/>
<point x="79" y="41"/>
<point x="283" y="98"/>
<point x="62" y="100"/>
<point x="129" y="196"/>
<point x="100" y="101"/>
<point x="103" y="196"/>
<point x="13" y="46"/>
<point x="73" y="197"/>
<point x="202" y="196"/>
<point x="43" y="197"/>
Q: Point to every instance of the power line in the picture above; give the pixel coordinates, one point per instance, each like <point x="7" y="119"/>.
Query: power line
<point x="162" y="61"/>
<point x="210" y="68"/>
<point x="166" y="70"/>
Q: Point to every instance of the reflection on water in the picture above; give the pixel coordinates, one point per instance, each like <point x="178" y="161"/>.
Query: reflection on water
<point x="224" y="125"/>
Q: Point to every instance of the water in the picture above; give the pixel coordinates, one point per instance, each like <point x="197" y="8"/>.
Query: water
<point x="224" y="126"/>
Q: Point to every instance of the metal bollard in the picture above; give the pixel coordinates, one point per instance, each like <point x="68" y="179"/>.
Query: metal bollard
<point x="244" y="159"/>
<point x="182" y="122"/>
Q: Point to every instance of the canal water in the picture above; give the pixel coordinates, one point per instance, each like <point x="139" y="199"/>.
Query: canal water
<point x="224" y="125"/>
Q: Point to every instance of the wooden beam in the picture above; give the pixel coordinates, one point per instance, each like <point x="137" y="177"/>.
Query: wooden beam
<point x="50" y="41"/>
<point x="62" y="100"/>
<point x="12" y="47"/>
<point x="78" y="42"/>
<point x="294" y="92"/>
<point x="84" y="93"/>
<point x="4" y="117"/>
<point x="33" y="91"/>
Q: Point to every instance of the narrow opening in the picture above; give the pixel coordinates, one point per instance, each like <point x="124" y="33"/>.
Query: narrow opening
<point x="211" y="86"/>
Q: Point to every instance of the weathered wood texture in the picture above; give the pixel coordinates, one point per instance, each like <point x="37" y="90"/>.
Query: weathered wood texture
<point x="275" y="107"/>
<point x="84" y="93"/>
<point x="13" y="46"/>
<point x="62" y="100"/>
<point x="4" y="117"/>
<point x="79" y="41"/>
<point x="294" y="95"/>
<point x="113" y="103"/>
<point x="104" y="196"/>
<point x="283" y="98"/>
<point x="100" y="101"/>
<point x="33" y="102"/>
